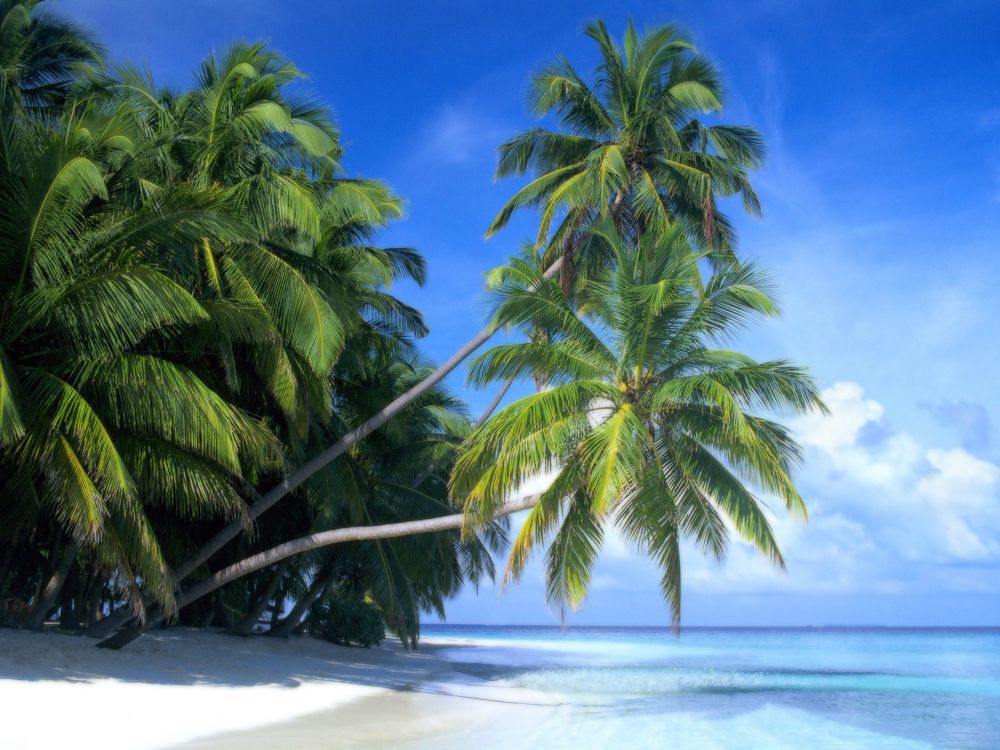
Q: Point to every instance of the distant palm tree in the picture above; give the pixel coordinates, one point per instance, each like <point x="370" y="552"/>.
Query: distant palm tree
<point x="399" y="474"/>
<point x="632" y="145"/>
<point x="41" y="55"/>
<point x="647" y="426"/>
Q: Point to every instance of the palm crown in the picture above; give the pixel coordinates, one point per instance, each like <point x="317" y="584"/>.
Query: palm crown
<point x="646" y="425"/>
<point x="143" y="219"/>
<point x="98" y="421"/>
<point x="632" y="143"/>
<point x="41" y="55"/>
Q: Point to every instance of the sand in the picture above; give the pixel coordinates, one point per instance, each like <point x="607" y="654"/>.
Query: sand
<point x="195" y="689"/>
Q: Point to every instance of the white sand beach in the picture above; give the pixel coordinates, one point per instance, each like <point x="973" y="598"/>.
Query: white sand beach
<point x="195" y="689"/>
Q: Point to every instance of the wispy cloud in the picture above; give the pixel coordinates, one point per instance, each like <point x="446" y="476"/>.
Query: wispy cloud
<point x="970" y="421"/>
<point x="887" y="515"/>
<point x="928" y="504"/>
<point x="460" y="134"/>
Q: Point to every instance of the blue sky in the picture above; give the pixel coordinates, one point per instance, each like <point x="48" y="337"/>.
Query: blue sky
<point x="882" y="217"/>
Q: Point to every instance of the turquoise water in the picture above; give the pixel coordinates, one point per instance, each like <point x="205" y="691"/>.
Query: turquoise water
<point x="890" y="689"/>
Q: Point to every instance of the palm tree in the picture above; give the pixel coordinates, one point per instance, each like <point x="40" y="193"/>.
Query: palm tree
<point x="277" y="175"/>
<point x="239" y="134"/>
<point x="646" y="425"/>
<point x="632" y="143"/>
<point x="654" y="432"/>
<point x="304" y="275"/>
<point x="41" y="55"/>
<point x="98" y="421"/>
<point x="394" y="481"/>
<point x="300" y="274"/>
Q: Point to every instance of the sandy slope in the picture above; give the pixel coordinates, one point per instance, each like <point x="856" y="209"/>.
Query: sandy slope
<point x="175" y="686"/>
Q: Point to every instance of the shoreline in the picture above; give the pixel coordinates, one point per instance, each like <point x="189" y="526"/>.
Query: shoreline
<point x="185" y="688"/>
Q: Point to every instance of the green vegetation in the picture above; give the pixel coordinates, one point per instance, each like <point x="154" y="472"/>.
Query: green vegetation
<point x="645" y="424"/>
<point x="348" y="620"/>
<point x="213" y="410"/>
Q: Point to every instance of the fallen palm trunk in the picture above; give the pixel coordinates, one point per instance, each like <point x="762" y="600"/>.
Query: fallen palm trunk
<point x="316" y="463"/>
<point x="105" y="627"/>
<point x="305" y="544"/>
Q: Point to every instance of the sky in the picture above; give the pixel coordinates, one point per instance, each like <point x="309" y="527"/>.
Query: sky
<point x="881" y="196"/>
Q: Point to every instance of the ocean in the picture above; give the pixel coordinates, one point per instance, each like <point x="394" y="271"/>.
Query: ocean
<point x="745" y="688"/>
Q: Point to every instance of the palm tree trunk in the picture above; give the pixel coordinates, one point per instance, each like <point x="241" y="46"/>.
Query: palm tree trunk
<point x="324" y="580"/>
<point x="222" y="612"/>
<point x="48" y="596"/>
<point x="494" y="403"/>
<point x="8" y="558"/>
<point x="300" y="475"/>
<point x="245" y="626"/>
<point x="108" y="625"/>
<point x="67" y="608"/>
<point x="316" y="463"/>
<point x="305" y="544"/>
<point x="209" y="616"/>
<point x="94" y="597"/>
<point x="276" y="607"/>
<point x="567" y="276"/>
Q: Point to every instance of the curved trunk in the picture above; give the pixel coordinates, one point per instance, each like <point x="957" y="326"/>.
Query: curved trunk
<point x="47" y="598"/>
<point x="108" y="625"/>
<point x="300" y="475"/>
<point x="318" y="462"/>
<point x="494" y="403"/>
<point x="324" y="580"/>
<point x="245" y="626"/>
<point x="305" y="544"/>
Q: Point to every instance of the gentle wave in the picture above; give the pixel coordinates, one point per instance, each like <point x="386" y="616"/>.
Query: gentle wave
<point x="863" y="689"/>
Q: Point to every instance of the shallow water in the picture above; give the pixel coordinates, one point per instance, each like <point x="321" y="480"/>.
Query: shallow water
<point x="738" y="688"/>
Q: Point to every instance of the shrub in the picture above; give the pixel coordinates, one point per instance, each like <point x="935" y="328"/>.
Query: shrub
<point x="347" y="620"/>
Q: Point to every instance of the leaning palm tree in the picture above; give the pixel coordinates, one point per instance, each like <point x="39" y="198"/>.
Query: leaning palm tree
<point x="646" y="425"/>
<point x="632" y="143"/>
<point x="720" y="147"/>
<point x="257" y="121"/>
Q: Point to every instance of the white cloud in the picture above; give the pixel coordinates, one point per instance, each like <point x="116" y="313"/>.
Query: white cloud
<point x="926" y="504"/>
<point x="838" y="436"/>
<point x="827" y="555"/>
<point x="887" y="513"/>
<point x="460" y="135"/>
<point x="962" y="491"/>
<point x="849" y="412"/>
